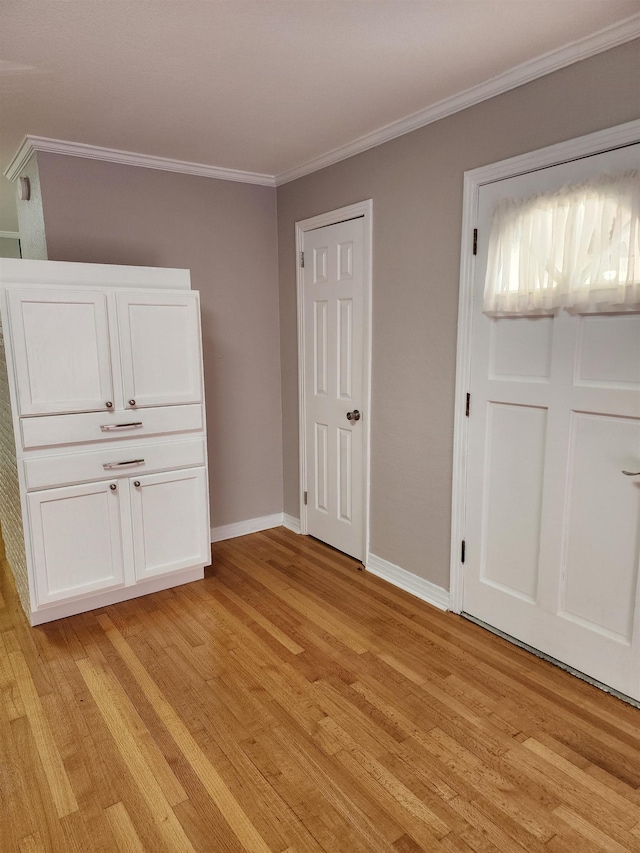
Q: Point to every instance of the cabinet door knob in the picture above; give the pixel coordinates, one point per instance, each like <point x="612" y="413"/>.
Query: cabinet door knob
<point x="132" y="402"/>
<point x="113" y="487"/>
<point x="109" y="404"/>
<point x="136" y="483"/>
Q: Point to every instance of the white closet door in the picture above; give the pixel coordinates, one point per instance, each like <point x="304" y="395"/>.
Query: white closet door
<point x="170" y="522"/>
<point x="160" y="348"/>
<point x="61" y="350"/>
<point x="553" y="539"/>
<point x="77" y="540"/>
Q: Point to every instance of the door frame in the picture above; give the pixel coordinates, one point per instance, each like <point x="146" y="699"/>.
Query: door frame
<point x="333" y="217"/>
<point x="553" y="155"/>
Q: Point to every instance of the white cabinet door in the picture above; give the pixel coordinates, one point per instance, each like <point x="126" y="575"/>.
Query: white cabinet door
<point x="77" y="540"/>
<point x="170" y="522"/>
<point x="160" y="348"/>
<point x="61" y="350"/>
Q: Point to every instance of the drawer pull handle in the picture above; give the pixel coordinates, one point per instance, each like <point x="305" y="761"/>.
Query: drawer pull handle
<point x="113" y="487"/>
<point x="136" y="483"/>
<point x="108" y="465"/>
<point x="112" y="427"/>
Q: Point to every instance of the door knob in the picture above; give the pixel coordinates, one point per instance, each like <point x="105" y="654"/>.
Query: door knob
<point x="113" y="487"/>
<point x="132" y="402"/>
<point x="136" y="483"/>
<point x="109" y="404"/>
<point x="353" y="416"/>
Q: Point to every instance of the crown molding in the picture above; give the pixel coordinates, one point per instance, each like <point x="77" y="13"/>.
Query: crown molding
<point x="128" y="158"/>
<point x="575" y="51"/>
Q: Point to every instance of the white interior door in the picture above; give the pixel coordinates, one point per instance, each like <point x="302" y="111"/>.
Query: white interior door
<point x="553" y="523"/>
<point x="334" y="384"/>
<point x="77" y="540"/>
<point x="160" y="348"/>
<point x="61" y="350"/>
<point x="170" y="522"/>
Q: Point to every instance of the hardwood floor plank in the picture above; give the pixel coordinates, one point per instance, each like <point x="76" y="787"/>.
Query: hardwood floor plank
<point x="124" y="832"/>
<point x="291" y="703"/>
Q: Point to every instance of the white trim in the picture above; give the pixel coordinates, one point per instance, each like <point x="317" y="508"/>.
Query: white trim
<point x="128" y="158"/>
<point x="421" y="588"/>
<point x="23" y="271"/>
<point x="10" y="235"/>
<point x="125" y="593"/>
<point x="291" y="523"/>
<point x="242" y="528"/>
<point x="575" y="51"/>
<point x="364" y="209"/>
<point x="573" y="149"/>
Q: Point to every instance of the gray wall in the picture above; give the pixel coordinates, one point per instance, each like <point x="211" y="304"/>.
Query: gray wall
<point x="225" y="233"/>
<point x="416" y="183"/>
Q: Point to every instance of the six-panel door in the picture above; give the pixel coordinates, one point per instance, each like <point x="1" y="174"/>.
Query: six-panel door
<point x="170" y="522"/>
<point x="77" y="540"/>
<point x="160" y="348"/>
<point x="61" y="350"/>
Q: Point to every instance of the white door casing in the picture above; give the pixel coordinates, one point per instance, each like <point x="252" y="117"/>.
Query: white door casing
<point x="334" y="306"/>
<point x="551" y="526"/>
<point x="61" y="350"/>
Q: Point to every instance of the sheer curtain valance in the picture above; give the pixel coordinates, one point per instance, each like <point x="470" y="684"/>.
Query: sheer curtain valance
<point x="576" y="248"/>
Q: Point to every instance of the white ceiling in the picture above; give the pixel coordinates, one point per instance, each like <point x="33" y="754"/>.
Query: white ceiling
<point x="258" y="86"/>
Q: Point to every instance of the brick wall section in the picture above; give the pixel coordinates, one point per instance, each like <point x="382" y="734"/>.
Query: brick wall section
<point x="10" y="510"/>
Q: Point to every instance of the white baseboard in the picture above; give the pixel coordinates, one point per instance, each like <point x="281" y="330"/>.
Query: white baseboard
<point x="291" y="523"/>
<point x="124" y="593"/>
<point x="242" y="528"/>
<point x="421" y="588"/>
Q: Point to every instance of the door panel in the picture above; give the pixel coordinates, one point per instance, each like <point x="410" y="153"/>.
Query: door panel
<point x="160" y="348"/>
<point x="552" y="523"/>
<point x="61" y="350"/>
<point x="170" y="522"/>
<point x="334" y="384"/>
<point x="602" y="524"/>
<point x="77" y="540"/>
<point x="513" y="497"/>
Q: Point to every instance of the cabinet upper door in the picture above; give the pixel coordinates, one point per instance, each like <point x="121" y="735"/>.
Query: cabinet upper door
<point x="77" y="540"/>
<point x="160" y="348"/>
<point x="170" y="522"/>
<point x="61" y="350"/>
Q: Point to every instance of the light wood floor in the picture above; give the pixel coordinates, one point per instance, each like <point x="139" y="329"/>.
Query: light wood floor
<point x="290" y="702"/>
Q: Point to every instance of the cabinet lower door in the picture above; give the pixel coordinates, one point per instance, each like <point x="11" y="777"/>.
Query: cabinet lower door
<point x="77" y="540"/>
<point x="170" y="522"/>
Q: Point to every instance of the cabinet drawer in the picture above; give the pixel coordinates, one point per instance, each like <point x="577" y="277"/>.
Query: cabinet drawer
<point x="112" y="462"/>
<point x="56" y="430"/>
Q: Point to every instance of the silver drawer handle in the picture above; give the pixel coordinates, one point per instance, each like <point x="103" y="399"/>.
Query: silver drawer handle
<point x="108" y="465"/>
<point x="632" y="473"/>
<point x="111" y="427"/>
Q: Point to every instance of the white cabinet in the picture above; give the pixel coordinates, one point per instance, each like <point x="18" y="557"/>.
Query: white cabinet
<point x="86" y="351"/>
<point x="61" y="350"/>
<point x="77" y="540"/>
<point x="102" y="425"/>
<point x="160" y="348"/>
<point x="169" y="523"/>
